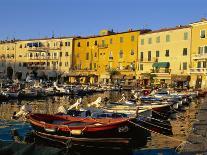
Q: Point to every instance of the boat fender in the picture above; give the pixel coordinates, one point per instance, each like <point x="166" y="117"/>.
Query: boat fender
<point x="50" y="130"/>
<point x="75" y="132"/>
<point x="123" y="129"/>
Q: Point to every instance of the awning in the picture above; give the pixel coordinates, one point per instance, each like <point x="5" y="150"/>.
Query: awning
<point x="161" y="65"/>
<point x="118" y="76"/>
<point x="129" y="77"/>
<point x="52" y="74"/>
<point x="40" y="73"/>
<point x="180" y="78"/>
<point x="104" y="76"/>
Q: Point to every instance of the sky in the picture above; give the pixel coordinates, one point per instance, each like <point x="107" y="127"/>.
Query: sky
<point x="24" y="19"/>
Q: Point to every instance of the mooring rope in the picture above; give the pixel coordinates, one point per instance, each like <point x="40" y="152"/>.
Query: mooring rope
<point x="176" y="139"/>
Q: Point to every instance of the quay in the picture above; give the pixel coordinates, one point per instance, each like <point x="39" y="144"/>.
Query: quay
<point x="197" y="141"/>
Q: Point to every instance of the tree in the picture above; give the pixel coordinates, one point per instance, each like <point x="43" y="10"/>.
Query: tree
<point x="112" y="72"/>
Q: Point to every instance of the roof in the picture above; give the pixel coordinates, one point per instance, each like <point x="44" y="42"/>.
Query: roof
<point x="168" y="29"/>
<point x="142" y="31"/>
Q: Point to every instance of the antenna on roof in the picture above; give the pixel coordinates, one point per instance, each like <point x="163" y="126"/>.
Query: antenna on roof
<point x="53" y="34"/>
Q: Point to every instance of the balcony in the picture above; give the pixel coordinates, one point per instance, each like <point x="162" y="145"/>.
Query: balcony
<point x="42" y="49"/>
<point x="101" y="46"/>
<point x="44" y="58"/>
<point x="199" y="56"/>
<point x="145" y="60"/>
<point x="161" y="71"/>
<point x="198" y="70"/>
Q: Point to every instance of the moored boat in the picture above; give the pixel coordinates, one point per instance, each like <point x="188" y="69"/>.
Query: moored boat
<point x="89" y="131"/>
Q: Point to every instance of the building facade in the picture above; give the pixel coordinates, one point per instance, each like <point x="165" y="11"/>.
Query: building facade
<point x="198" y="69"/>
<point x="42" y="57"/>
<point x="109" y="54"/>
<point x="164" y="55"/>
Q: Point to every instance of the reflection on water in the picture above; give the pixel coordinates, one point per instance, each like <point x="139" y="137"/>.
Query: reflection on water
<point x="181" y="126"/>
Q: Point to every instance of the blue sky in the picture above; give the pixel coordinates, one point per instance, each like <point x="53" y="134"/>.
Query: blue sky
<point x="25" y="19"/>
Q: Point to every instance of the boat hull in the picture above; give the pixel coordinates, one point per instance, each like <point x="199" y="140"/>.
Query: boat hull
<point x="117" y="133"/>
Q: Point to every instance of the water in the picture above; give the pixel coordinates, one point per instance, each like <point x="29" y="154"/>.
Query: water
<point x="181" y="126"/>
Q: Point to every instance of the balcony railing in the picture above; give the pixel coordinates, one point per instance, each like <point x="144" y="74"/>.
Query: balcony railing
<point x="43" y="58"/>
<point x="102" y="46"/>
<point x="198" y="70"/>
<point x="161" y="71"/>
<point x="42" y="49"/>
<point x="199" y="56"/>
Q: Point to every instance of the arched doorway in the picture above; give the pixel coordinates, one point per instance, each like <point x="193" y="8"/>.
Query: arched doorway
<point x="9" y="72"/>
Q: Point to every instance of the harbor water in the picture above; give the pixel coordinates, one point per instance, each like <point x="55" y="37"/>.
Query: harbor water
<point x="181" y="125"/>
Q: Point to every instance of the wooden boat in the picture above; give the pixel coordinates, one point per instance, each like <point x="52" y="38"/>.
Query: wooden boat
<point x="88" y="131"/>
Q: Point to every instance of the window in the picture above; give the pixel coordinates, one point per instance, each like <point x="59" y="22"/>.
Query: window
<point x="168" y="38"/>
<point x="199" y="64"/>
<point x="121" y="39"/>
<point x="157" y="53"/>
<point x="158" y="39"/>
<point x="79" y="44"/>
<point x="142" y="41"/>
<point x="103" y="42"/>
<point x="48" y="63"/>
<point x="167" y="53"/>
<point x="61" y="44"/>
<point x="95" y="55"/>
<point x="202" y="33"/>
<point x="66" y="64"/>
<point x="121" y="54"/>
<point x="184" y="65"/>
<point x="20" y="64"/>
<point x="185" y="35"/>
<point x="132" y="38"/>
<point x="111" y="55"/>
<point x="132" y="52"/>
<point x="87" y="43"/>
<point x="200" y="50"/>
<point x="185" y="51"/>
<point x="55" y="54"/>
<point x="141" y="67"/>
<point x="67" y="44"/>
<point x="87" y="56"/>
<point x="20" y="46"/>
<point x="204" y="64"/>
<point x="141" y="56"/>
<point x="111" y="41"/>
<point x="60" y="63"/>
<point x="150" y="41"/>
<point x="94" y="65"/>
<point x="66" y="54"/>
<point x="61" y="54"/>
<point x="95" y="43"/>
<point x="205" y="49"/>
<point x="149" y="56"/>
<point x="24" y="64"/>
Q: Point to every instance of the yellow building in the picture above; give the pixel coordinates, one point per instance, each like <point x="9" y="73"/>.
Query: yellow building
<point x="198" y="70"/>
<point x="106" y="54"/>
<point x="48" y="57"/>
<point x="164" y="55"/>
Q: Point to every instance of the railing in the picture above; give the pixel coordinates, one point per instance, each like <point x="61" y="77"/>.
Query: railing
<point x="160" y="71"/>
<point x="43" y="58"/>
<point x="42" y="49"/>
<point x="198" y="70"/>
<point x="145" y="60"/>
<point x="103" y="46"/>
<point x="199" y="56"/>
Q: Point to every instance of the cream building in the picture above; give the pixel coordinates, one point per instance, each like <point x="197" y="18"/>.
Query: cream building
<point x="164" y="55"/>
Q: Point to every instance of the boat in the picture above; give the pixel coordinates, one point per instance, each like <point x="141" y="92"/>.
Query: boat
<point x="89" y="131"/>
